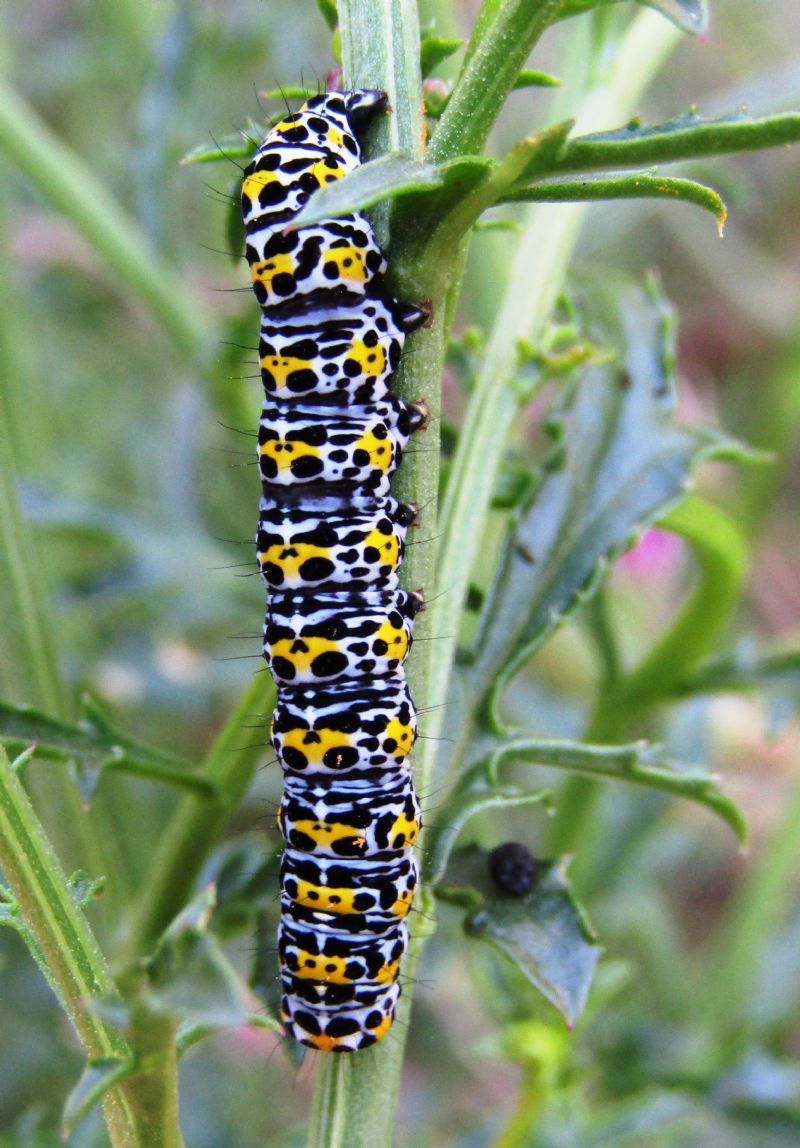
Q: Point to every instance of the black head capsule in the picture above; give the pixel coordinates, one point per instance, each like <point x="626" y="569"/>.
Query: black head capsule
<point x="411" y="317"/>
<point x="363" y="105"/>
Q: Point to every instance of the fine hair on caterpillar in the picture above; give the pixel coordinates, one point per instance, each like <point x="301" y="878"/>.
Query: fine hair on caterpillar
<point x="330" y="540"/>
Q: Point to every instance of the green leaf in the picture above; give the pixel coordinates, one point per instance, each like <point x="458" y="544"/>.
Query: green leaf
<point x="642" y="185"/>
<point x="639" y="763"/>
<point x="745" y="670"/>
<point x="190" y="976"/>
<point x="474" y="795"/>
<point x="434" y="50"/>
<point x="529" y="78"/>
<point x="329" y="12"/>
<point x="97" y="1079"/>
<point x="621" y="462"/>
<point x="688" y="15"/>
<point x="231" y="146"/>
<point x="244" y="879"/>
<point x="387" y="177"/>
<point x="94" y="746"/>
<point x="189" y="1035"/>
<point x="686" y="137"/>
<point x="85" y="889"/>
<point x="545" y="932"/>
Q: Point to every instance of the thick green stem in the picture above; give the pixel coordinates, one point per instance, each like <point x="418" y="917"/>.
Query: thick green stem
<point x="355" y="1097"/>
<point x="59" y="937"/>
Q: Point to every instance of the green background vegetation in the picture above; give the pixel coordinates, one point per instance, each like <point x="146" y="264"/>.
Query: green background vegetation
<point x="138" y="504"/>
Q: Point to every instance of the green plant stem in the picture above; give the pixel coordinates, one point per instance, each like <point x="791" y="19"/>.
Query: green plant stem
<point x="197" y="822"/>
<point x="721" y="551"/>
<point x="64" y="179"/>
<point x="29" y="625"/>
<point x="758" y="907"/>
<point x="537" y="275"/>
<point x="501" y="42"/>
<point x="355" y="1097"/>
<point x="59" y="936"/>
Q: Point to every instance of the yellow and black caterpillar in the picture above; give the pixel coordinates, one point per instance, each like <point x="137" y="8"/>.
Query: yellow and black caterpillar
<point x="330" y="540"/>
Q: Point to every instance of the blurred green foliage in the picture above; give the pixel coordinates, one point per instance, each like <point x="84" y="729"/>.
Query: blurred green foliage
<point x="140" y="501"/>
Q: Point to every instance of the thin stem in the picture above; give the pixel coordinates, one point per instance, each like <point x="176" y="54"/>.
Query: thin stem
<point x="500" y="44"/>
<point x="722" y="553"/>
<point x="197" y="822"/>
<point x="65" y="180"/>
<point x="757" y="908"/>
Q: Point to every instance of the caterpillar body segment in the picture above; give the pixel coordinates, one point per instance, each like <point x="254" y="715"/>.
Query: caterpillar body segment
<point x="330" y="542"/>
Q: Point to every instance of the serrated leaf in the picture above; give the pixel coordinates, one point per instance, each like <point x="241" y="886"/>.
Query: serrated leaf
<point x="639" y="763"/>
<point x="231" y="146"/>
<point x="93" y="746"/>
<point x="436" y="49"/>
<point x="621" y="462"/>
<point x="544" y="932"/>
<point x="686" y="137"/>
<point x="389" y="176"/>
<point x="97" y="1079"/>
<point x="639" y="185"/>
<point x="473" y="796"/>
<point x="190" y="976"/>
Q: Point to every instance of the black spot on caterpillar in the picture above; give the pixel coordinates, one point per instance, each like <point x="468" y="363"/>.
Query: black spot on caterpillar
<point x="330" y="540"/>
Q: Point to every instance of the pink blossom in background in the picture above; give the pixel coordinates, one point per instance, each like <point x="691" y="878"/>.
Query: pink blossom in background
<point x="657" y="553"/>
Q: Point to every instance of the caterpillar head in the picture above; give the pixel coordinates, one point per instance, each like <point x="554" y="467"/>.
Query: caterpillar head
<point x="363" y="105"/>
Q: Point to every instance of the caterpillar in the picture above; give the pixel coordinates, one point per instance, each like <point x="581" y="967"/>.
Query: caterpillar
<point x="330" y="539"/>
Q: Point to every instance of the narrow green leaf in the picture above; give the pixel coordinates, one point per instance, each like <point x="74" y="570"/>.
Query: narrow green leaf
<point x="642" y="185"/>
<point x="622" y="461"/>
<point x="189" y="1035"/>
<point x="529" y="78"/>
<point x="190" y="976"/>
<point x="436" y="49"/>
<point x="746" y="670"/>
<point x="638" y="763"/>
<point x="686" y="137"/>
<point x="545" y="932"/>
<point x="97" y="1079"/>
<point x="231" y="146"/>
<point x="93" y="746"/>
<point x="688" y="15"/>
<point x="329" y="12"/>
<point x="387" y="177"/>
